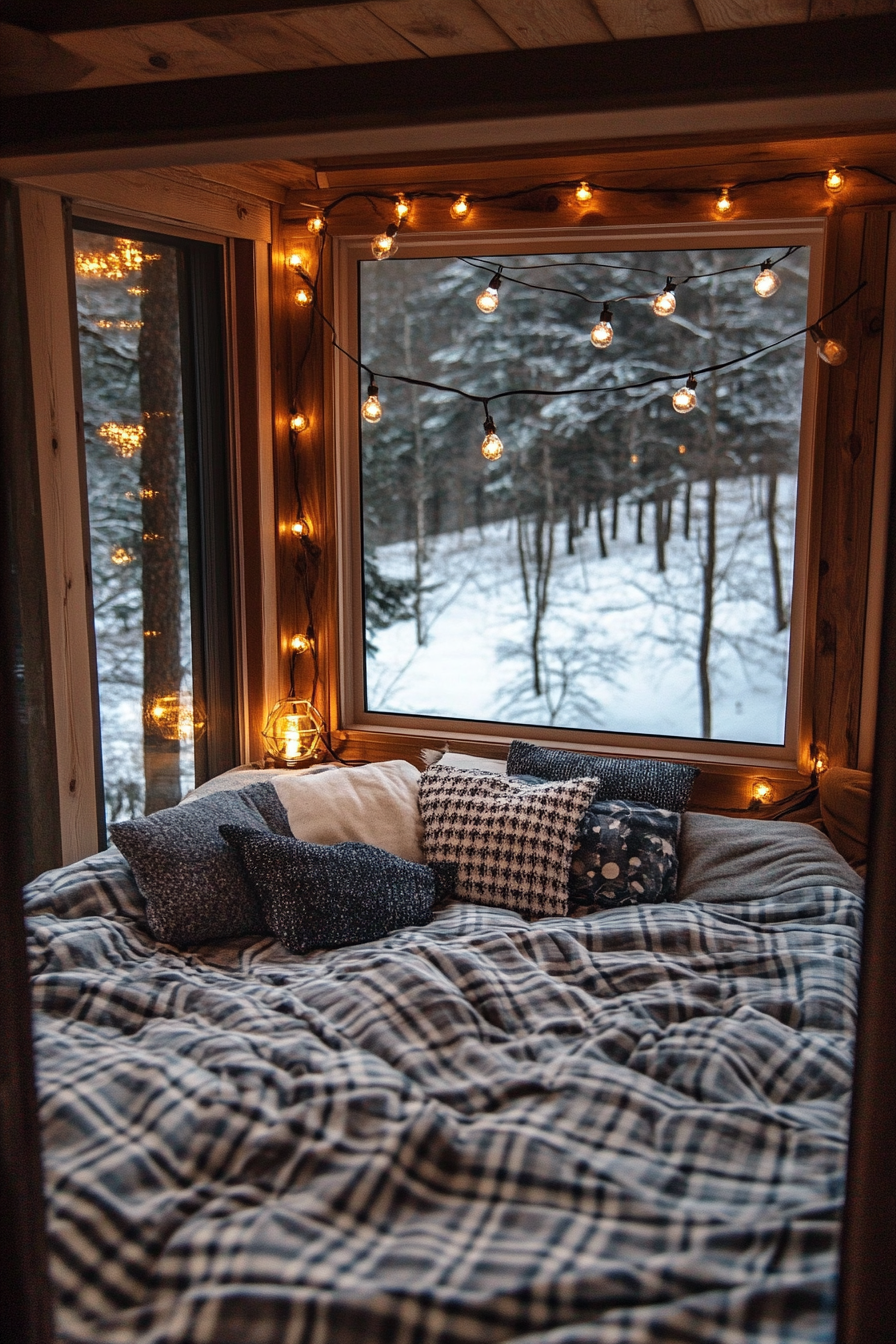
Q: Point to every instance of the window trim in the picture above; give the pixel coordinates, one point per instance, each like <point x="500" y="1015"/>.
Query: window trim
<point x="347" y="251"/>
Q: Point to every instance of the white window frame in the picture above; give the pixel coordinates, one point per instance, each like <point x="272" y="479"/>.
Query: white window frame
<point x="763" y="235"/>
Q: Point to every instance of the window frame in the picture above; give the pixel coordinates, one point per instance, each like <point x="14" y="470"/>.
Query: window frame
<point x="347" y="251"/>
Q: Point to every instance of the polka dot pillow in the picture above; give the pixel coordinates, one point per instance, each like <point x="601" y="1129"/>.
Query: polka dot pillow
<point x="626" y="854"/>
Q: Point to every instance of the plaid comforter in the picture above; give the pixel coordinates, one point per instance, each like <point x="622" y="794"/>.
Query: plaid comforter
<point x="613" y="1130"/>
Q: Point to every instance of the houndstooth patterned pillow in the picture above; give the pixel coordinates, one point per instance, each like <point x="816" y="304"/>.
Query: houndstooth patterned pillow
<point x="512" y="842"/>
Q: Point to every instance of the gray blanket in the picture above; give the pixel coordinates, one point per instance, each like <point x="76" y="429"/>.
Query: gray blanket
<point x="618" y="1129"/>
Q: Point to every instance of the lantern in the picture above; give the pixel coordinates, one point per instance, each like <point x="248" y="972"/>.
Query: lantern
<point x="293" y="731"/>
<point x="177" y="717"/>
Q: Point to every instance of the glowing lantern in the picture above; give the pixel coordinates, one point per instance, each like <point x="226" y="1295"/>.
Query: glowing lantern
<point x="292" y="732"/>
<point x="177" y="717"/>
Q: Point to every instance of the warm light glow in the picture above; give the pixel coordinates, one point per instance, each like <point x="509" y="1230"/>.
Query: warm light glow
<point x="177" y="716"/>
<point x="300" y="643"/>
<point x="685" y="399"/>
<point x="402" y="207"/>
<point x="304" y="296"/>
<point x="295" y="261"/>
<point x="682" y="448"/>
<point x="767" y="282"/>
<point x="819" y="760"/>
<point x="315" y="224"/>
<point x="583" y="193"/>
<point x="761" y="792"/>
<point x="121" y="556"/>
<point x="301" y="528"/>
<point x="602" y="331"/>
<point x="115" y="265"/>
<point x="292" y="732"/>
<point x="298" y="422"/>
<point x="491" y="447"/>
<point x="488" y="300"/>
<point x="835" y="180"/>
<point x="105" y="324"/>
<point x="125" y="439"/>
<point x="831" y="352"/>
<point x="147" y="493"/>
<point x="664" y="303"/>
<point x="724" y="205"/>
<point x="153" y="536"/>
<point x="460" y="208"/>
<point x="385" y="244"/>
<point x="634" y="459"/>
<point x="372" y="409"/>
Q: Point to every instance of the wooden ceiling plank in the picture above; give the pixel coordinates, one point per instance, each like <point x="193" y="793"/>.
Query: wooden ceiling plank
<point x="849" y="9"/>
<point x="751" y="13"/>
<point x="286" y="172"/>
<point x="352" y="33"/>
<point x="648" y="18"/>
<point x="236" y="177"/>
<point x="439" y="30"/>
<point x="126" y="52"/>
<point x="266" y="39"/>
<point x="32" y="63"/>
<point x="547" y="23"/>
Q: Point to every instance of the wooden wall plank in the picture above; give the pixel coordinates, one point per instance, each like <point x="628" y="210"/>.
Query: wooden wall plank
<point x="852" y="403"/>
<point x="651" y="18"/>
<point x="836" y="9"/>
<point x="353" y="34"/>
<point x="265" y="39"/>
<point x="62" y="507"/>
<point x="440" y="31"/>
<point x="751" y="13"/>
<point x="122" y="55"/>
<point x="547" y="23"/>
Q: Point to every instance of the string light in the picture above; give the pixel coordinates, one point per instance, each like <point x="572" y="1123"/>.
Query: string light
<point x="724" y="204"/>
<point x="301" y="528"/>
<point x="602" y="331"/>
<point x="819" y="758"/>
<point x="827" y="349"/>
<point x="295" y="261"/>
<point x="372" y="409"/>
<point x="300" y="643"/>
<point x="488" y="300"/>
<point x="126" y="440"/>
<point x="664" y="303"/>
<point x="492" y="447"/>
<point x="634" y="459"/>
<point x="402" y="208"/>
<point x="761" y="792"/>
<point x="384" y="244"/>
<point x="685" y="399"/>
<point x="177" y="717"/>
<point x="121" y="556"/>
<point x="835" y="180"/>
<point x="583" y="193"/>
<point x="299" y="422"/>
<point x="304" y="296"/>
<point x="315" y="223"/>
<point x="460" y="208"/>
<point x="767" y="282"/>
<point x="682" y="449"/>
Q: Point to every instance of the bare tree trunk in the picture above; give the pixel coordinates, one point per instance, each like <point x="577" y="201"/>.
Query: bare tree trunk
<point x="615" y="532"/>
<point x="669" y="502"/>
<point x="544" y="561"/>
<point x="639" y="528"/>
<point x="572" y="530"/>
<point x="601" y="539"/>
<point x="524" y="568"/>
<point x="709" y="576"/>
<point x="774" y="556"/>
<point x="158" y="358"/>
<point x="659" y="511"/>
<point x="687" y="512"/>
<point x="419" y="491"/>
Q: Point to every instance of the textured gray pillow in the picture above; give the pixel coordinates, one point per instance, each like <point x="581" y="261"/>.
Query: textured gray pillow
<point x="735" y="859"/>
<point x="665" y="784"/>
<point x="194" y="885"/>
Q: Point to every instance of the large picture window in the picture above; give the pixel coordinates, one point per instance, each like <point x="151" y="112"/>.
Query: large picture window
<point x="623" y="567"/>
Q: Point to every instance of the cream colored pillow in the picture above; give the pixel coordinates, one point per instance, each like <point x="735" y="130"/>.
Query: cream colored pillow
<point x="376" y="804"/>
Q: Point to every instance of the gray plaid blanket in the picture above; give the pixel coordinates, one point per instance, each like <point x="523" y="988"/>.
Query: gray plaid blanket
<point x="614" y="1130"/>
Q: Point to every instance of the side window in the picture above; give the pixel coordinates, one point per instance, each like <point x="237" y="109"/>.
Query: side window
<point x="151" y="447"/>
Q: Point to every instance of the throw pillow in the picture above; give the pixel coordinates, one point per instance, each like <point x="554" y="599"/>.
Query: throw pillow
<point x="626" y="855"/>
<point x="512" y="842"/>
<point x="664" y="784"/>
<point x="374" y="804"/>
<point x="194" y="886"/>
<point x="315" y="896"/>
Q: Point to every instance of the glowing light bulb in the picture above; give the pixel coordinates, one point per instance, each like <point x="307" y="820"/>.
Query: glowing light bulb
<point x="300" y="643"/>
<point x="121" y="556"/>
<point x="384" y="244"/>
<point x="835" y="180"/>
<point x="488" y="300"/>
<point x="301" y="528"/>
<point x="634" y="459"/>
<point x="295" y="261"/>
<point x="602" y="331"/>
<point x="819" y="758"/>
<point x="682" y="449"/>
<point x="767" y="281"/>
<point x="492" y="447"/>
<point x="664" y="303"/>
<point x="827" y="349"/>
<point x="315" y="224"/>
<point x="298" y="422"/>
<point x="724" y="205"/>
<point x="685" y="399"/>
<point x="583" y="193"/>
<point x="303" y="296"/>
<point x="402" y="207"/>
<point x="461" y="207"/>
<point x="761" y="792"/>
<point x="372" y="409"/>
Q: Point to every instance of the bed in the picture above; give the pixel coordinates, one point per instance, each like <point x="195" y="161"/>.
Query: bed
<point x="628" y="1127"/>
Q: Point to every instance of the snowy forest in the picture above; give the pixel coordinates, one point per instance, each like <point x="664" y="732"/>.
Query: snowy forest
<point x="128" y="330"/>
<point x="622" y="566"/>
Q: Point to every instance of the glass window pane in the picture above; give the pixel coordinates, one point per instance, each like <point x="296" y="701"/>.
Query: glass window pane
<point x="129" y="334"/>
<point x="623" y="567"/>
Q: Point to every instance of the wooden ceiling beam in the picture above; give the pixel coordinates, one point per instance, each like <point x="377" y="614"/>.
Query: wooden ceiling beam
<point x="61" y="16"/>
<point x="747" y="66"/>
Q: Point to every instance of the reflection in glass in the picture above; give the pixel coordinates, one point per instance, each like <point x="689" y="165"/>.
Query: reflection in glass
<point x="128" y="300"/>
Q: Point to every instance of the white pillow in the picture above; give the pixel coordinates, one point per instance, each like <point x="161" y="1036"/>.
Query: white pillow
<point x="463" y="762"/>
<point x="376" y="804"/>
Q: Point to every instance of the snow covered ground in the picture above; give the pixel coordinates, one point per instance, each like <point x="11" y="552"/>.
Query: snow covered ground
<point x="620" y="645"/>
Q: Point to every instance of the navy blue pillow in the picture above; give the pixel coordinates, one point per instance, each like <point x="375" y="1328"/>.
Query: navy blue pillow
<point x="626" y="855"/>
<point x="665" y="784"/>
<point x="315" y="896"/>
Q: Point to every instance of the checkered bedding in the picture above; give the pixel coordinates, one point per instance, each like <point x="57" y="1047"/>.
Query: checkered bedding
<point x="612" y="1130"/>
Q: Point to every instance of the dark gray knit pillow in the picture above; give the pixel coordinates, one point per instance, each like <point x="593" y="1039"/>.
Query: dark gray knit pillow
<point x="315" y="896"/>
<point x="194" y="885"/>
<point x="665" y="784"/>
